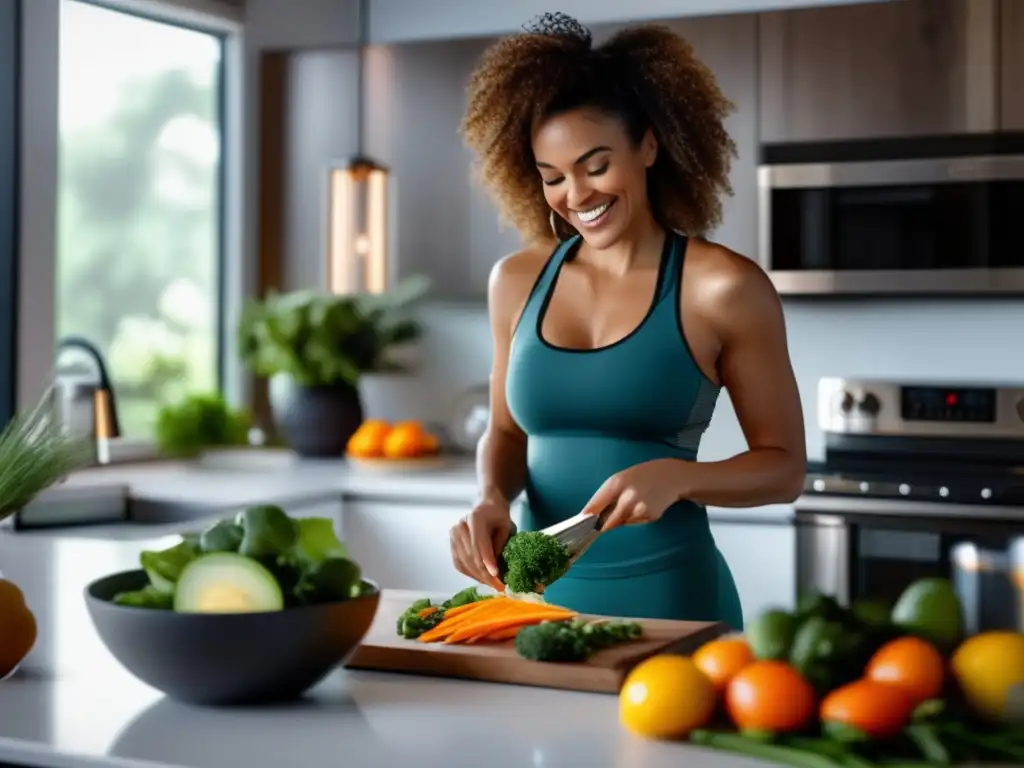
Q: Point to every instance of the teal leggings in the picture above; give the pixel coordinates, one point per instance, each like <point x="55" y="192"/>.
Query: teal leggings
<point x="699" y="588"/>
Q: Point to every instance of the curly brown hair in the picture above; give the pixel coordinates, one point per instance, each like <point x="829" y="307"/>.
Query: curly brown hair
<point x="647" y="75"/>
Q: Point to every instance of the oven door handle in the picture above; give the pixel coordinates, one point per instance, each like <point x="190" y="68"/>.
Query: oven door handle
<point x="823" y="556"/>
<point x="813" y="518"/>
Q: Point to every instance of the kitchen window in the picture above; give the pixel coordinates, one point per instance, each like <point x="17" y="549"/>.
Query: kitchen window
<point x="140" y="219"/>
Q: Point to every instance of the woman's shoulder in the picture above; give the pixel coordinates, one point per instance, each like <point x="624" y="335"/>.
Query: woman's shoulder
<point x="726" y="286"/>
<point x="513" y="276"/>
<point x="515" y="273"/>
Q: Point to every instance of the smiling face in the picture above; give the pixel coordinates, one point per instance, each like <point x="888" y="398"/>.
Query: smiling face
<point x="594" y="174"/>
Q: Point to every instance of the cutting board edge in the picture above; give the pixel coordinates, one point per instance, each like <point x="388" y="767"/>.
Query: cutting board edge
<point x="532" y="674"/>
<point x="681" y="645"/>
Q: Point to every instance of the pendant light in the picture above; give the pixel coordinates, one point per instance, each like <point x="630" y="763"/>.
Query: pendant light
<point x="357" y="210"/>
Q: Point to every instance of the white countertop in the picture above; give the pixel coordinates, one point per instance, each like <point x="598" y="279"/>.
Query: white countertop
<point x="72" y="705"/>
<point x="238" y="478"/>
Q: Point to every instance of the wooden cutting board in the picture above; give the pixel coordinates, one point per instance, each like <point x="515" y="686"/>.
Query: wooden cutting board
<point x="383" y="650"/>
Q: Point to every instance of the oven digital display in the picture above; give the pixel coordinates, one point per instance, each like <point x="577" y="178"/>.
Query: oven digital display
<point x="966" y="404"/>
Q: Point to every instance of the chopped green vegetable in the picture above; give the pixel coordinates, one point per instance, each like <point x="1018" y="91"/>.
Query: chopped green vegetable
<point x="335" y="578"/>
<point x="305" y="560"/>
<point x="222" y="536"/>
<point x="147" y="597"/>
<point x="928" y="741"/>
<point x="573" y="639"/>
<point x="317" y="540"/>
<point x="268" y="531"/>
<point x="736" y="742"/>
<point x="532" y="559"/>
<point x="411" y="625"/>
<point x="165" y="566"/>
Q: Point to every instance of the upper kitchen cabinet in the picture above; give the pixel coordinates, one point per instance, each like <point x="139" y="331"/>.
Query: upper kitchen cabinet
<point x="318" y="128"/>
<point x="444" y="224"/>
<point x="1011" y="65"/>
<point x="400" y="21"/>
<point x="910" y="68"/>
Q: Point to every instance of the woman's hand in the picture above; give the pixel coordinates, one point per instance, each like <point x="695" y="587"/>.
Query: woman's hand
<point x="639" y="494"/>
<point x="478" y="537"/>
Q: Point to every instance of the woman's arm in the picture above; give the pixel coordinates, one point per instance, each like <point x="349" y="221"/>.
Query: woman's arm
<point x="501" y="452"/>
<point x="755" y="368"/>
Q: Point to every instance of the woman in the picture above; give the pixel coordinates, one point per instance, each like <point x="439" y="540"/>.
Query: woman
<point x="613" y="338"/>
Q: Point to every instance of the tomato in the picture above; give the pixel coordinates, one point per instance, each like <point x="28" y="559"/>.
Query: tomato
<point x="769" y="696"/>
<point x="911" y="663"/>
<point x="722" y="659"/>
<point x="875" y="709"/>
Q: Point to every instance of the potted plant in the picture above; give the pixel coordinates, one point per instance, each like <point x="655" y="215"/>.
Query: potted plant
<point x="35" y="453"/>
<point x="313" y="347"/>
<point x="200" y="422"/>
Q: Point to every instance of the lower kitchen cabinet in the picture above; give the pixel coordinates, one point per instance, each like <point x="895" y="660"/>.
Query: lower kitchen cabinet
<point x="402" y="545"/>
<point x="762" y="557"/>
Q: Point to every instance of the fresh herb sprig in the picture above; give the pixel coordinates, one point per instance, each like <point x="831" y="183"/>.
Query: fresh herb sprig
<point x="36" y="453"/>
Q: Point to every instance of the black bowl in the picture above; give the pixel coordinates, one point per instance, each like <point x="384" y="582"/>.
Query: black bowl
<point x="228" y="658"/>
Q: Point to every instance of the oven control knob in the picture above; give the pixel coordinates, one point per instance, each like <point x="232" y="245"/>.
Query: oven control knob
<point x="870" y="404"/>
<point x="986" y="493"/>
<point x="847" y="403"/>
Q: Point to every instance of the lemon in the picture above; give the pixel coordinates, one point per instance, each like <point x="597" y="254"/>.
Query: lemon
<point x="990" y="670"/>
<point x="666" y="697"/>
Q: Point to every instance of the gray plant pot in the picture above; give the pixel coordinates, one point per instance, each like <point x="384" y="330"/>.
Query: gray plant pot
<point x="315" y="422"/>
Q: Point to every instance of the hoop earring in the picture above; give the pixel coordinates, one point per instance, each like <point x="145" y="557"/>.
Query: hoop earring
<point x="554" y="226"/>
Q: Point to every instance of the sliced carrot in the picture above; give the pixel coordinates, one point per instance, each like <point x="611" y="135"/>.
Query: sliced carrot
<point x="460" y="609"/>
<point x="427" y="611"/>
<point x="489" y="624"/>
<point x="446" y="625"/>
<point x="497" y="635"/>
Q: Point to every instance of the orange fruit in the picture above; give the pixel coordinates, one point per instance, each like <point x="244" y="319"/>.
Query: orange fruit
<point x="368" y="441"/>
<point x="911" y="663"/>
<point x="769" y="696"/>
<point x="666" y="697"/>
<point x="404" y="441"/>
<point x="17" y="627"/>
<point x="875" y="709"/>
<point x="722" y="659"/>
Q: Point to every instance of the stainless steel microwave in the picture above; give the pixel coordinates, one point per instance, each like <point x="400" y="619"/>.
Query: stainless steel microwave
<point x="930" y="216"/>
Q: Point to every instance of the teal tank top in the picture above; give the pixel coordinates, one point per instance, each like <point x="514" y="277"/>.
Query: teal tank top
<point x="591" y="413"/>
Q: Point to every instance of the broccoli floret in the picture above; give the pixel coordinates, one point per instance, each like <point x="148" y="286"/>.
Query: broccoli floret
<point x="411" y="625"/>
<point x="573" y="639"/>
<point x="551" y="641"/>
<point x="531" y="559"/>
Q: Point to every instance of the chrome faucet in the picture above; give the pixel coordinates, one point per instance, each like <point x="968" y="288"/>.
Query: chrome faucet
<point x="103" y="417"/>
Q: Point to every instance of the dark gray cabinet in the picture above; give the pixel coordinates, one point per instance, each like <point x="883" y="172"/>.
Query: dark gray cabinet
<point x="1011" y="69"/>
<point x="320" y="128"/>
<point x="916" y="67"/>
<point x="444" y="224"/>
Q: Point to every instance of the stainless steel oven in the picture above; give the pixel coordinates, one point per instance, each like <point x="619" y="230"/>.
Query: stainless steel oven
<point x="919" y="480"/>
<point x="898" y="216"/>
